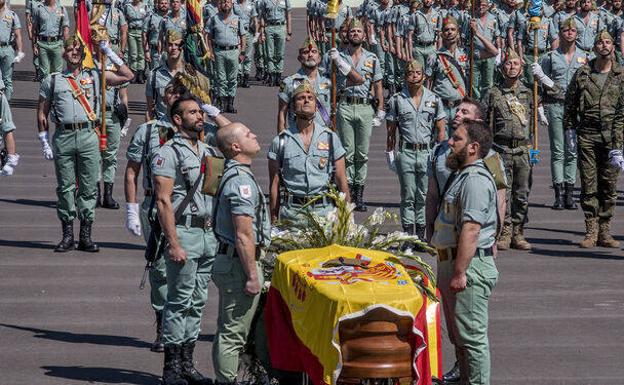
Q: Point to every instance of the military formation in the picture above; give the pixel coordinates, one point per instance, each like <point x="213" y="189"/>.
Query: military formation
<point x="462" y="89"/>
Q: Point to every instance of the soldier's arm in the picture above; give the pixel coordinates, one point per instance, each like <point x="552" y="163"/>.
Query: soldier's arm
<point x="618" y="125"/>
<point x="123" y="37"/>
<point x="341" y="177"/>
<point x="466" y="249"/>
<point x="18" y="40"/>
<point x="431" y="206"/>
<point x="441" y="130"/>
<point x="43" y="108"/>
<point x="570" y="112"/>
<point x="391" y="127"/>
<point x="274" y="202"/>
<point x="282" y="112"/>
<point x="379" y="93"/>
<point x="124" y="74"/>
<point x="246" y="249"/>
<point x="163" y="188"/>
<point x="130" y="180"/>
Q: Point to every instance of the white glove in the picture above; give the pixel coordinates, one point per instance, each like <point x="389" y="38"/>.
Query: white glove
<point x="341" y="64"/>
<point x="9" y="167"/>
<point x="133" y="223"/>
<point x="542" y="115"/>
<point x="211" y="110"/>
<point x="124" y="129"/>
<point x="46" y="150"/>
<point x="499" y="58"/>
<point x="108" y="51"/>
<point x="570" y="139"/>
<point x="256" y="37"/>
<point x="379" y="118"/>
<point x="541" y="77"/>
<point x="19" y="57"/>
<point x="616" y="159"/>
<point x="391" y="161"/>
<point x="373" y="39"/>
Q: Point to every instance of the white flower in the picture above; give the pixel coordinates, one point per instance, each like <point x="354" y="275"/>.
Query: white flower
<point x="342" y="196"/>
<point x="378" y="217"/>
<point x="332" y="216"/>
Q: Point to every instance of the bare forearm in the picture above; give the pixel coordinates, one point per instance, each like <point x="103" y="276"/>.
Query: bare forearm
<point x="467" y="246"/>
<point x="246" y="249"/>
<point x="130" y="183"/>
<point x="167" y="220"/>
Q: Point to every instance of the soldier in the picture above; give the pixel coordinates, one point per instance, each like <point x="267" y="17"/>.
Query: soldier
<point x="559" y="17"/>
<point x="76" y="150"/>
<point x="117" y="28"/>
<point x="10" y="39"/>
<point x="247" y="13"/>
<point x="136" y="13"/>
<point x="359" y="81"/>
<point x="304" y="160"/>
<point x="30" y="7"/>
<point x="396" y="30"/>
<point x="6" y="130"/>
<point x="151" y="33"/>
<point x="276" y="14"/>
<point x="465" y="230"/>
<point x="589" y="109"/>
<point x="243" y="228"/>
<point x="50" y="29"/>
<point x="309" y="71"/>
<point x="225" y="36"/>
<point x="526" y="42"/>
<point x="260" y="59"/>
<point x="554" y="73"/>
<point x="509" y="116"/>
<point x="344" y="16"/>
<point x="423" y="28"/>
<point x="588" y="23"/>
<point x="191" y="245"/>
<point x="419" y="116"/>
<point x="175" y="20"/>
<point x="162" y="75"/>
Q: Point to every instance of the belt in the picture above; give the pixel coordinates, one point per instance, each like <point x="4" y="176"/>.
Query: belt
<point x="5" y="44"/>
<point x="424" y="45"/>
<point x="74" y="126"/>
<point x="450" y="253"/>
<point x="49" y="39"/>
<point x="353" y="100"/>
<point x="513" y="143"/>
<point x="230" y="250"/>
<point x="276" y="22"/>
<point x="415" y="146"/>
<point x="451" y="103"/>
<point x="305" y="200"/>
<point x="135" y="28"/>
<point x="195" y="221"/>
<point x="227" y="47"/>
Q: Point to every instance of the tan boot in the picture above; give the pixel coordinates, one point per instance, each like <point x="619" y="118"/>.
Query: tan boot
<point x="517" y="241"/>
<point x="591" y="233"/>
<point x="504" y="239"/>
<point x="604" y="235"/>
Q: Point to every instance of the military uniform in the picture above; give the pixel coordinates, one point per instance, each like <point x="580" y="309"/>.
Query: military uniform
<point x="239" y="194"/>
<point x="48" y="27"/>
<point x="305" y="174"/>
<point x="275" y="13"/>
<point x="587" y="31"/>
<point x="151" y="29"/>
<point x="115" y="23"/>
<point x="247" y="12"/>
<point x="344" y="14"/>
<point x="6" y="117"/>
<point x="416" y="126"/>
<point x="471" y="196"/>
<point x="9" y="23"/>
<point x="136" y="16"/>
<point x="169" y="22"/>
<point x="483" y="69"/>
<point x="425" y="29"/>
<point x="526" y="34"/>
<point x="322" y="89"/>
<point x="155" y="89"/>
<point x="29" y="10"/>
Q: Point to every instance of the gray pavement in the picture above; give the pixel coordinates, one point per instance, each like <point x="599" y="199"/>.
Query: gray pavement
<point x="556" y="315"/>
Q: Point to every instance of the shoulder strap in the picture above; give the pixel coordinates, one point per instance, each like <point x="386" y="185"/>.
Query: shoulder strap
<point x="446" y="65"/>
<point x="52" y="88"/>
<point x="190" y="190"/>
<point x="146" y="148"/>
<point x="82" y="99"/>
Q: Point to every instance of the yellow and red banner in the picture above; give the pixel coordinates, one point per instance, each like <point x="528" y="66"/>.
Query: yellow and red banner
<point x="307" y="301"/>
<point x="83" y="31"/>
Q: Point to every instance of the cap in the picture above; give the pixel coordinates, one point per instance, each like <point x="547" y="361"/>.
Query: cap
<point x="73" y="39"/>
<point x="449" y="20"/>
<point x="603" y="35"/>
<point x="355" y="23"/>
<point x="308" y="43"/>
<point x="568" y="23"/>
<point x="511" y="54"/>
<point x="413" y="65"/>
<point x="304" y="86"/>
<point x="173" y="35"/>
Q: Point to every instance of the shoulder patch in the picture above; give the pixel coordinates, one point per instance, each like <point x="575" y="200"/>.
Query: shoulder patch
<point x="245" y="190"/>
<point x="158" y="162"/>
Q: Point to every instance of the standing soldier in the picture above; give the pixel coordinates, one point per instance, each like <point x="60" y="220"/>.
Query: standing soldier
<point x="10" y="38"/>
<point x="526" y="42"/>
<point x="136" y="13"/>
<point x="6" y="130"/>
<point x="225" y="36"/>
<point x="50" y="29"/>
<point x="243" y="228"/>
<point x="76" y="151"/>
<point x="568" y="11"/>
<point x="397" y="27"/>
<point x="185" y="215"/>
<point x="483" y="69"/>
<point x="31" y="5"/>
<point x="260" y="59"/>
<point x="378" y="43"/>
<point x="151" y="33"/>
<point x="175" y="20"/>
<point x="344" y="16"/>
<point x="247" y="13"/>
<point x="276" y="14"/>
<point x="555" y="73"/>
<point x="117" y="28"/>
<point x="419" y="115"/>
<point x="162" y="75"/>
<point x="360" y="106"/>
<point x="590" y="107"/>
<point x="588" y="23"/>
<point x="423" y="28"/>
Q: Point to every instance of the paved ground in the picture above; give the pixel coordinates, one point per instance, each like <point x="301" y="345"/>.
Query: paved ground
<point x="76" y="318"/>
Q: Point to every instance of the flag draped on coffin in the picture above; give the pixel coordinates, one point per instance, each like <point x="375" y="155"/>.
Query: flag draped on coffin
<point x="83" y="31"/>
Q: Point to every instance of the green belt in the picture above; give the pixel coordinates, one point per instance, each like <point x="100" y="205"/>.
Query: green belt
<point x="230" y="250"/>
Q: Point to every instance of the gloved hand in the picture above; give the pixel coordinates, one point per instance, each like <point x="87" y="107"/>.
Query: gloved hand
<point x="391" y="161"/>
<point x="541" y="77"/>
<point x="341" y="64"/>
<point x="133" y="223"/>
<point x="9" y="166"/>
<point x="373" y="39"/>
<point x="108" y="51"/>
<point x="542" y="116"/>
<point x="124" y="129"/>
<point x="46" y="150"/>
<point x="616" y="159"/>
<point x="499" y="58"/>
<point x="570" y="139"/>
<point x="211" y="110"/>
<point x="18" y="58"/>
<point x="379" y="118"/>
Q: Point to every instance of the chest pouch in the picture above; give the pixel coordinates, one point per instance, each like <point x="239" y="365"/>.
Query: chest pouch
<point x="213" y="171"/>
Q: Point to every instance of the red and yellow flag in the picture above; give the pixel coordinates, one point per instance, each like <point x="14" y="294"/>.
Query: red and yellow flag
<point x="83" y="31"/>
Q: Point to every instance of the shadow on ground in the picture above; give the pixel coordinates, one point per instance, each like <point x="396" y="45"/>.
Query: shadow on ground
<point x="102" y="375"/>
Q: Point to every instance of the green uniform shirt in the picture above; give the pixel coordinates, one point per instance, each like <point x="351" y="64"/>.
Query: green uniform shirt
<point x="241" y="195"/>
<point x="64" y="107"/>
<point x="509" y="113"/>
<point x="415" y="123"/>
<point x="368" y="67"/>
<point x="436" y="70"/>
<point x="245" y="13"/>
<point x="556" y="67"/>
<point x="225" y="31"/>
<point x="152" y="28"/>
<point x="489" y="29"/>
<point x="9" y="22"/>
<point x="527" y="35"/>
<point x="307" y="173"/>
<point x="586" y="32"/>
<point x="135" y="15"/>
<point x="114" y="22"/>
<point x="425" y="26"/>
<point x="48" y="21"/>
<point x="138" y="146"/>
<point x="156" y="84"/>
<point x="274" y="11"/>
<point x="209" y="11"/>
<point x="322" y="88"/>
<point x="177" y="24"/>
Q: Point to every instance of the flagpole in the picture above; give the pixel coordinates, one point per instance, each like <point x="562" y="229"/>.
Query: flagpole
<point x="103" y="144"/>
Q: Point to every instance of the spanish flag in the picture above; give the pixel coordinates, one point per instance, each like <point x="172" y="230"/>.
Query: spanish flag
<point x="83" y="31"/>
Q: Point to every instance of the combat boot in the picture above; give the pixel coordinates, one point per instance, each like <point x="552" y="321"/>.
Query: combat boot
<point x="245" y="81"/>
<point x="142" y="77"/>
<point x="158" y="346"/>
<point x="259" y="74"/>
<point x="230" y="102"/>
<point x="604" y="235"/>
<point x="107" y="200"/>
<point x="98" y="197"/>
<point x="189" y="373"/>
<point x="359" y="199"/>
<point x="591" y="233"/>
<point x="67" y="243"/>
<point x="172" y="368"/>
<point x="452" y="376"/>
<point x="517" y="241"/>
<point x="569" y="203"/>
<point x="504" y="239"/>
<point x="558" y="205"/>
<point x="85" y="243"/>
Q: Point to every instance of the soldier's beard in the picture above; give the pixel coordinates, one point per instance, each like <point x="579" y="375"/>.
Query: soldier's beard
<point x="310" y="64"/>
<point x="456" y="160"/>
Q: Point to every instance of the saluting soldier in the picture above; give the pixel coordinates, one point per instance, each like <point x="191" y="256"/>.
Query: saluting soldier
<point x="277" y="31"/>
<point x="590" y="109"/>
<point x="162" y="75"/>
<point x="136" y="14"/>
<point x="419" y="116"/>
<point x="10" y="39"/>
<point x="6" y="130"/>
<point x="151" y="34"/>
<point x="75" y="151"/>
<point x="50" y="29"/>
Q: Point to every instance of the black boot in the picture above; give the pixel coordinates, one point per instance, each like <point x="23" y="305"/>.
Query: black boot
<point x="158" y="346"/>
<point x="245" y="83"/>
<point x="172" y="369"/>
<point x="141" y="77"/>
<point x="189" y="373"/>
<point x="67" y="243"/>
<point x="107" y="200"/>
<point x="420" y="231"/>
<point x="558" y="205"/>
<point x="231" y="108"/>
<point x="452" y="376"/>
<point x="259" y="74"/>
<point x="276" y="80"/>
<point x="352" y="193"/>
<point x="85" y="243"/>
<point x="569" y="203"/>
<point x="268" y="78"/>
<point x="98" y="197"/>
<point x="359" y="199"/>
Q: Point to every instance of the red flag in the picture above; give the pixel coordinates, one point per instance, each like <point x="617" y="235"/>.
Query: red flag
<point x="83" y="31"/>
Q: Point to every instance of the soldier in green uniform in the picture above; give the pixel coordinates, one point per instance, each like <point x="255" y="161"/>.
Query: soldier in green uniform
<point x="304" y="159"/>
<point x="10" y="37"/>
<point x="50" y="28"/>
<point x="465" y="231"/>
<point x="419" y="116"/>
<point x="243" y="228"/>
<point x="247" y="13"/>
<point x="151" y="33"/>
<point x="377" y="38"/>
<point x="185" y="214"/>
<point x="590" y="108"/>
<point x="30" y="7"/>
<point x="554" y="73"/>
<point x="75" y="144"/>
<point x="136" y="13"/>
<point x="162" y="75"/>
<point x="344" y="16"/>
<point x="309" y="71"/>
<point x="588" y="24"/>
<point x="509" y="109"/>
<point x="358" y="73"/>
<point x="117" y="28"/>
<point x="174" y="20"/>
<point x="260" y="59"/>
<point x="423" y="28"/>
<point x="526" y="42"/>
<point x="226" y="39"/>
<point x="277" y="31"/>
<point x="6" y="130"/>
